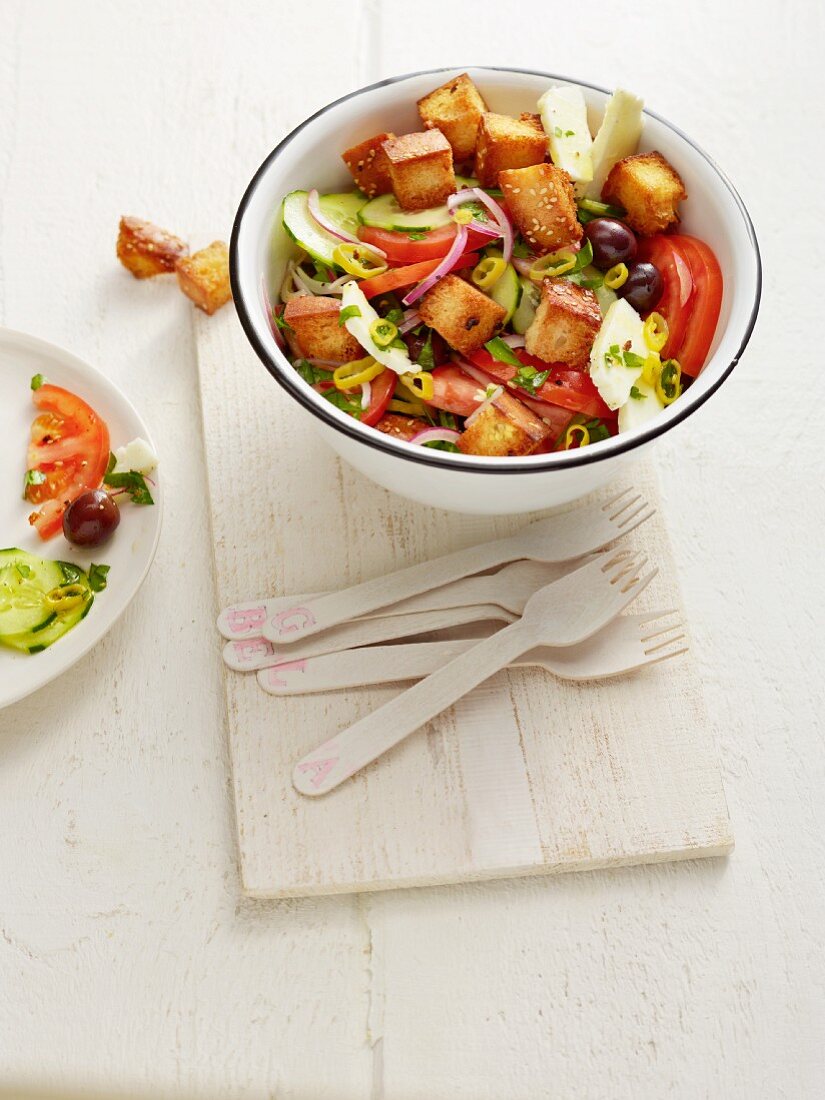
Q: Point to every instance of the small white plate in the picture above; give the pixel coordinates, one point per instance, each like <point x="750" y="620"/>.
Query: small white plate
<point x="132" y="547"/>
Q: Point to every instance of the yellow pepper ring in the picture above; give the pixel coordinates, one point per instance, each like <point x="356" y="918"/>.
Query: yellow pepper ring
<point x="556" y="263"/>
<point x="409" y="408"/>
<point x="359" y="260"/>
<point x="570" y="440"/>
<point x="462" y="216"/>
<point x="669" y="382"/>
<point x="66" y="596"/>
<point x="383" y="332"/>
<point x="656" y="332"/>
<point x="488" y="272"/>
<point x="652" y="369"/>
<point x="419" y="384"/>
<point x="616" y="276"/>
<point x="350" y="375"/>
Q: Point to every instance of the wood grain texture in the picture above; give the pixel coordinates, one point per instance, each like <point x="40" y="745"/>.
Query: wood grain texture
<point x="128" y="962"/>
<point x="578" y="776"/>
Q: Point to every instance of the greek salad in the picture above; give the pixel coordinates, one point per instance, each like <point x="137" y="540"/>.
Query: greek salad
<point x="499" y="286"/>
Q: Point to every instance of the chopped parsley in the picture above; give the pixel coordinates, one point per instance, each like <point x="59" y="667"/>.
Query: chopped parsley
<point x="281" y="324"/>
<point x="311" y="374"/>
<point x="637" y="394"/>
<point x="529" y="379"/>
<point x="426" y="359"/>
<point x="347" y="402"/>
<point x="502" y="352"/>
<point x="129" y="481"/>
<point x="623" y="357"/>
<point x="395" y="316"/>
<point x="559" y="133"/>
<point x="37" y="381"/>
<point x="97" y="577"/>
<point x="347" y="312"/>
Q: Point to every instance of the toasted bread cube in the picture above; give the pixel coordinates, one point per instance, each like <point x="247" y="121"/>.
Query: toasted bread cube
<point x="315" y="327"/>
<point x="542" y="203"/>
<point x="146" y="249"/>
<point x="565" y="325"/>
<point x="421" y="169"/>
<point x="460" y="313"/>
<point x="369" y="165"/>
<point x="401" y="427"/>
<point x="649" y="188"/>
<point x="204" y="277"/>
<point x="506" y="143"/>
<point x="454" y="109"/>
<point x="505" y="427"/>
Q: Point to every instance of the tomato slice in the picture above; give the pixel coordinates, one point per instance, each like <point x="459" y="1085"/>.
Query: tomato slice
<point x="69" y="446"/>
<point x="381" y="391"/>
<point x="413" y="273"/>
<point x="435" y="243"/>
<point x="401" y="427"/>
<point x="676" y="301"/>
<point x="706" y="305"/>
<point x="455" y="392"/>
<point x="566" y="388"/>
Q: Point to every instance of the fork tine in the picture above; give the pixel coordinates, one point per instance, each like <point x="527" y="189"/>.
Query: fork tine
<point x="665" y="653"/>
<point x="613" y="556"/>
<point x="618" y="496"/>
<point x="640" y="516"/>
<point x="646" y="633"/>
<point x="644" y="620"/>
<point x="639" y="582"/>
<point x="623" y="505"/>
<point x="665" y="642"/>
<point x="622" y="567"/>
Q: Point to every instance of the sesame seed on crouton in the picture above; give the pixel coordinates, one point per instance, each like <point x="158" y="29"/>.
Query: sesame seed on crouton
<point x="505" y="142"/>
<point x="369" y="166"/>
<point x="454" y="109"/>
<point x="542" y="203"/>
<point x="204" y="277"/>
<point x="314" y="321"/>
<point x="565" y="325"/>
<point x="505" y="427"/>
<point x="146" y="249"/>
<point x="460" y="313"/>
<point x="421" y="169"/>
<point x="649" y="188"/>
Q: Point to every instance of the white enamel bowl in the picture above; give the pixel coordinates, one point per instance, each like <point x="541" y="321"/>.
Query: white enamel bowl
<point x="310" y="157"/>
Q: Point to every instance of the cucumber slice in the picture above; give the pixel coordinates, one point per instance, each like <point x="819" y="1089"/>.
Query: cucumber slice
<point x="507" y="289"/>
<point x="305" y="231"/>
<point x="526" y="309"/>
<point x="385" y="213"/>
<point x="342" y="209"/>
<point x="28" y="621"/>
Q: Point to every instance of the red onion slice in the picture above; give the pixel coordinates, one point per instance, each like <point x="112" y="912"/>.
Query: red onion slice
<point x="446" y="266"/>
<point x="494" y="396"/>
<point x="513" y="340"/>
<point x="411" y="319"/>
<point x="314" y="204"/>
<point x="470" y="193"/>
<point x="435" y="435"/>
<point x="366" y="396"/>
<point x="524" y="264"/>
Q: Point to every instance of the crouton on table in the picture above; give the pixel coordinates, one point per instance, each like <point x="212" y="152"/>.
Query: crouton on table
<point x="649" y="188"/>
<point x="204" y="276"/>
<point x="505" y="142"/>
<point x="542" y="202"/>
<point x="565" y="326"/>
<point x="460" y="313"/>
<point x="421" y="169"/>
<point x="314" y="321"/>
<point x="146" y="249"/>
<point x="369" y="166"/>
<point x="504" y="427"/>
<point x="454" y="109"/>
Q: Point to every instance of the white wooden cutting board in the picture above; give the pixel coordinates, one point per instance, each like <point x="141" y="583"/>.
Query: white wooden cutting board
<point x="527" y="775"/>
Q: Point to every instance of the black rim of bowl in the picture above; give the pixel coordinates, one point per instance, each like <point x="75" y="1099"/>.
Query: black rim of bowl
<point x="425" y="455"/>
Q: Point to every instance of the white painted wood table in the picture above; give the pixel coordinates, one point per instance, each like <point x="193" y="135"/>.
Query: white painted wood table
<point x="127" y="959"/>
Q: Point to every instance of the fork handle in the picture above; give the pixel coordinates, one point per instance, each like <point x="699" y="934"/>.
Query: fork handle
<point x="352" y="749"/>
<point x="313" y="616"/>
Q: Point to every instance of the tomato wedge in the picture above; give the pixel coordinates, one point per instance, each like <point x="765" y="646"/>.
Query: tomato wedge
<point x="708" y="285"/>
<point x="676" y="301"/>
<point x="455" y="392"/>
<point x="433" y="244"/>
<point x="381" y="390"/>
<point x="413" y="273"/>
<point x="68" y="454"/>
<point x="566" y="388"/>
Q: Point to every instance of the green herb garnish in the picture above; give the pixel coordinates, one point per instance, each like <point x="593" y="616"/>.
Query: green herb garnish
<point x="131" y="482"/>
<point x="416" y="234"/>
<point x="395" y="316"/>
<point x="347" y="312"/>
<point x="97" y="577"/>
<point x="502" y="352"/>
<point x="637" y="394"/>
<point x="23" y="569"/>
<point x="447" y="420"/>
<point x="426" y="359"/>
<point x="35" y="477"/>
<point x="529" y="379"/>
<point x="311" y="374"/>
<point x="442" y="445"/>
<point x="563" y="133"/>
<point x="344" y="401"/>
<point x="521" y="250"/>
<point x="37" y="381"/>
<point x="281" y="324"/>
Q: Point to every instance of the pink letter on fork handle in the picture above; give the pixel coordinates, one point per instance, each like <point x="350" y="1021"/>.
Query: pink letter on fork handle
<point x="287" y="622"/>
<point x="319" y="768"/>
<point x="275" y="671"/>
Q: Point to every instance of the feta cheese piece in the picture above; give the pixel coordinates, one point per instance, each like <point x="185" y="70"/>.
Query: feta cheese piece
<point x="637" y="411"/>
<point x="618" y="137"/>
<point x="564" y="117"/>
<point x="359" y="327"/>
<point x="137" y="456"/>
<point x="622" y="332"/>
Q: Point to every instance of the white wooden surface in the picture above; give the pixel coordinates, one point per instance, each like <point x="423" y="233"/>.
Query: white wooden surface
<point x="526" y="775"/>
<point x="126" y="956"/>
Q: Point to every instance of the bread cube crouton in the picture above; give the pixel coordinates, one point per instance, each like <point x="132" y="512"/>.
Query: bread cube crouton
<point x="460" y="313"/>
<point x="542" y="203"/>
<point x="504" y="427"/>
<point x="315" y="328"/>
<point x="649" y="188"/>
<point x="421" y="169"/>
<point x="565" y="325"/>
<point x="401" y="427"/>
<point x="454" y="109"/>
<point x="204" y="277"/>
<point x="506" y="143"/>
<point x="146" y="249"/>
<point x="369" y="166"/>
